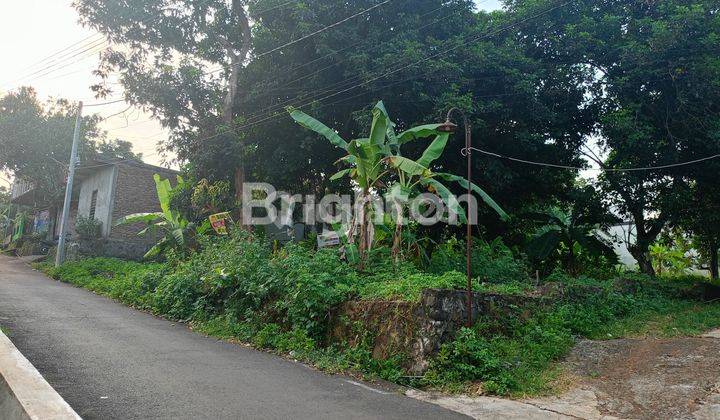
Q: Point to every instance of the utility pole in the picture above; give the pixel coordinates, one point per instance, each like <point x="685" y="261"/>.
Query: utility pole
<point x="60" y="256"/>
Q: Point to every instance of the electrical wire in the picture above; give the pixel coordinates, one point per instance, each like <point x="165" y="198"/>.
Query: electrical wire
<point x="395" y="70"/>
<point x="302" y="38"/>
<point x="465" y="151"/>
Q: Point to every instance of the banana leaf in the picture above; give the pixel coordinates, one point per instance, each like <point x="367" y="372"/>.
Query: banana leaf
<point x="477" y="190"/>
<point x="434" y="151"/>
<point x="418" y="132"/>
<point x="311" y="123"/>
<point x="448" y="198"/>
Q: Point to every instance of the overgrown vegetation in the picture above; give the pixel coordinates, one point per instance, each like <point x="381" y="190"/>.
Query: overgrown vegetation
<point x="239" y="288"/>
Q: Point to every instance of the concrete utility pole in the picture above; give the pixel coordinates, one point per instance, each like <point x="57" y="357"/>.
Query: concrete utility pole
<point x="60" y="256"/>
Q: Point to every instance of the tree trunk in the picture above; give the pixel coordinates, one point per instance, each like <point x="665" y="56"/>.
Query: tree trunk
<point x="714" y="269"/>
<point x="397" y="235"/>
<point x="642" y="255"/>
<point x="236" y="62"/>
<point x="397" y="241"/>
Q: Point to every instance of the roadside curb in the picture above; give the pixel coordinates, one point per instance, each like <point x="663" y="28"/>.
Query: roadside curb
<point x="24" y="393"/>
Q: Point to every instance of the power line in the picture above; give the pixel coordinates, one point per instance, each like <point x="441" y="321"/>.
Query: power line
<point x="429" y="57"/>
<point x="468" y="151"/>
<point x="399" y="68"/>
<point x="323" y="29"/>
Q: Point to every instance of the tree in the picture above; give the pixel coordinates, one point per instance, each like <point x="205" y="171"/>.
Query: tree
<point x="421" y="59"/>
<point x="702" y="219"/>
<point x="656" y="92"/>
<point x="181" y="60"/>
<point x="36" y="138"/>
<point x="518" y="104"/>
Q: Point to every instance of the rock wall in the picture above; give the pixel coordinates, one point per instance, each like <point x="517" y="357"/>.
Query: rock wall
<point x="116" y="248"/>
<point x="419" y="329"/>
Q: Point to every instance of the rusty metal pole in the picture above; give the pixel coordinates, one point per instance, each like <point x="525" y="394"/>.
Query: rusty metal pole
<point x="468" y="146"/>
<point x="449" y="127"/>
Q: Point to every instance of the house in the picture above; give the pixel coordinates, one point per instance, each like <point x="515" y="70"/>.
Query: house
<point x="104" y="190"/>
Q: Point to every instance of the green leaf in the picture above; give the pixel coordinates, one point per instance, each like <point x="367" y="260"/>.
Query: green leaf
<point x="380" y="124"/>
<point x="408" y="166"/>
<point x="418" y="132"/>
<point x="448" y="198"/>
<point x="139" y="218"/>
<point x="477" y="190"/>
<point x="163" y="191"/>
<point x="179" y="236"/>
<point x="544" y="242"/>
<point x="435" y="150"/>
<point x="340" y="174"/>
<point x="400" y="193"/>
<point x="312" y="124"/>
<point x="156" y="249"/>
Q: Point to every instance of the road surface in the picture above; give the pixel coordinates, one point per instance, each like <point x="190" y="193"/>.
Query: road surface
<point x="112" y="362"/>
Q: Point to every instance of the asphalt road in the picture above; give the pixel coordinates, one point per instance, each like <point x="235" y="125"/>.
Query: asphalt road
<point x="112" y="362"/>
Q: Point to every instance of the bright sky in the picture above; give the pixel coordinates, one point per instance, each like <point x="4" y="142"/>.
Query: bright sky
<point x="32" y="30"/>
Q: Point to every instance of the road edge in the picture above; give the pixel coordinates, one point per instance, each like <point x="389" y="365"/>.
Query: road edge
<point x="24" y="393"/>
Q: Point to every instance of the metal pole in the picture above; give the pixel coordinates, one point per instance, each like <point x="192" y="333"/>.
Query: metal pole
<point x="60" y="256"/>
<point x="468" y="145"/>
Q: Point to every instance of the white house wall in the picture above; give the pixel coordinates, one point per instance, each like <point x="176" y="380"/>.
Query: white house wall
<point x="102" y="180"/>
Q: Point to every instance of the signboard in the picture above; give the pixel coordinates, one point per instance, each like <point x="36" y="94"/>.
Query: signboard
<point x="219" y="222"/>
<point x="328" y="239"/>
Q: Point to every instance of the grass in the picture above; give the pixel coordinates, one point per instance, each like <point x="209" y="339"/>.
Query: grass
<point x="675" y="318"/>
<point x="515" y="355"/>
<point x="409" y="287"/>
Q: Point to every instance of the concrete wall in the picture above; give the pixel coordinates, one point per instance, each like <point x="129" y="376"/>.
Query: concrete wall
<point x="101" y="181"/>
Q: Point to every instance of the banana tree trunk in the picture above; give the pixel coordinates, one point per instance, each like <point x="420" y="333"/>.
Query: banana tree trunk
<point x="397" y="235"/>
<point x="365" y="226"/>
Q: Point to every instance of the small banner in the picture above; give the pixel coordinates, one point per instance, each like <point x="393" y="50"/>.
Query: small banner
<point x="219" y="222"/>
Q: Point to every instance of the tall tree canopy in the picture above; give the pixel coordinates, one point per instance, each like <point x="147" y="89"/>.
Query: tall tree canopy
<point x="36" y="138"/>
<point x="657" y="91"/>
<point x="539" y="80"/>
<point x="179" y="59"/>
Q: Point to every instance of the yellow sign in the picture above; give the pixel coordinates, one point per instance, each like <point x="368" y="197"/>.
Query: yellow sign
<point x="219" y="222"/>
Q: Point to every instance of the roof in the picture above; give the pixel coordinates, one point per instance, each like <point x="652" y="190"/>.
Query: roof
<point x="90" y="166"/>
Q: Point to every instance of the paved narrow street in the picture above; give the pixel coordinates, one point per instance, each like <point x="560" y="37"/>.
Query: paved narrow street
<point x="112" y="362"/>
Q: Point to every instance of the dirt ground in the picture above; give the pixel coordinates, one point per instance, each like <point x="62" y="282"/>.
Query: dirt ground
<point x="643" y="378"/>
<point x="650" y="378"/>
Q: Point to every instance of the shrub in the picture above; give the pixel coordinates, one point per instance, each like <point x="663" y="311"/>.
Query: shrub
<point x="492" y="262"/>
<point x="88" y="228"/>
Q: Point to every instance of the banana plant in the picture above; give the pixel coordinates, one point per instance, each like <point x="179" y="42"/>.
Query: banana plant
<point x="176" y="230"/>
<point x="375" y="158"/>
<point x="414" y="176"/>
<point x="365" y="167"/>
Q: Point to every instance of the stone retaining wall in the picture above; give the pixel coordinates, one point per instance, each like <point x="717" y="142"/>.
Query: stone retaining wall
<point x="419" y="329"/>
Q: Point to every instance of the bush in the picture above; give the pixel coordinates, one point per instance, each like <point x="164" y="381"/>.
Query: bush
<point x="238" y="287"/>
<point x="493" y="262"/>
<point x="88" y="228"/>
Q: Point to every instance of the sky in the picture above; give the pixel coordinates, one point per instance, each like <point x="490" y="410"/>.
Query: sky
<point x="33" y="30"/>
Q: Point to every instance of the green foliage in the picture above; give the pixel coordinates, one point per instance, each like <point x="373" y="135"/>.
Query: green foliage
<point x="35" y="146"/>
<point x="574" y="242"/>
<point x="373" y="160"/>
<point x="515" y="355"/>
<point x="410" y="286"/>
<point x="129" y="282"/>
<point x="178" y="232"/>
<point x="491" y="262"/>
<point x="88" y="228"/>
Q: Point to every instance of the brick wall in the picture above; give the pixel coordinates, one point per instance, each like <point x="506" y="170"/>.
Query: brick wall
<point x="135" y="193"/>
